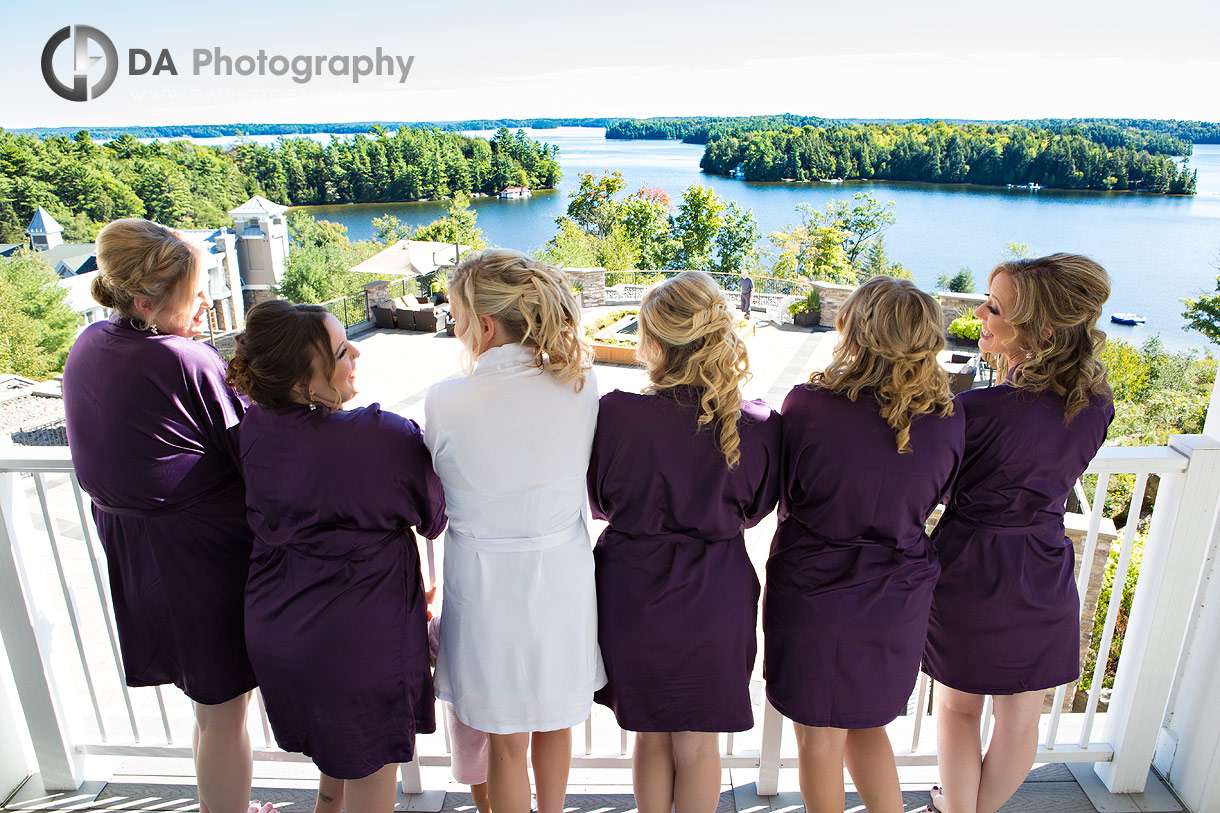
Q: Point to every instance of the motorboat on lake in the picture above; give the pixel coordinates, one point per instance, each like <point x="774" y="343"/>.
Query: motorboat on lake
<point x="1127" y="318"/>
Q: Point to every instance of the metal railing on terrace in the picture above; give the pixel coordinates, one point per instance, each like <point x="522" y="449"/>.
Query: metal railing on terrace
<point x="356" y="308"/>
<point x="59" y="633"/>
<point x="727" y="282"/>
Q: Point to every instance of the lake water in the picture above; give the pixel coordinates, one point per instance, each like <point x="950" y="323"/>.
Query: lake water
<point x="1157" y="249"/>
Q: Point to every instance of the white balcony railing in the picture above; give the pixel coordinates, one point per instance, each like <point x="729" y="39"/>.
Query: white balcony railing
<point x="59" y="635"/>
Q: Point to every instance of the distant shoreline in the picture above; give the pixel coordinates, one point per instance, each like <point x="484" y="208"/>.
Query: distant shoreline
<point x="540" y="123"/>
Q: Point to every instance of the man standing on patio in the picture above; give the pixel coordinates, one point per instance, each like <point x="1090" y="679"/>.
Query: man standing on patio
<point x="747" y="292"/>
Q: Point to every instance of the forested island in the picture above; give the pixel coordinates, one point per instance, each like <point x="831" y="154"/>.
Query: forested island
<point x="992" y="155"/>
<point x="1160" y="136"/>
<point x="84" y="184"/>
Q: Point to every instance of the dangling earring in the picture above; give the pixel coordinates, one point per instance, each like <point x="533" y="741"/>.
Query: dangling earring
<point x="153" y="330"/>
<point x="1028" y="355"/>
<point x="313" y="405"/>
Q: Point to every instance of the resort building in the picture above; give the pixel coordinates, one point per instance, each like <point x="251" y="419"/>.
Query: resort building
<point x="242" y="265"/>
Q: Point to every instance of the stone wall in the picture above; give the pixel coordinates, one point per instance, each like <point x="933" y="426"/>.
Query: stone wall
<point x="252" y="296"/>
<point x="832" y="297"/>
<point x="592" y="284"/>
<point x="955" y="305"/>
<point x="378" y="292"/>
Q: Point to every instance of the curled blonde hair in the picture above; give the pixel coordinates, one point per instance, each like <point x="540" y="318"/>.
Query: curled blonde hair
<point x="696" y="344"/>
<point x="531" y="301"/>
<point x="889" y="335"/>
<point x="140" y="258"/>
<point x="1058" y="303"/>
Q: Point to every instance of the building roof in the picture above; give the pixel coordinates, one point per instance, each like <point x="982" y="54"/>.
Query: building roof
<point x="200" y="235"/>
<point x="409" y="258"/>
<point x="256" y="206"/>
<point x="43" y="223"/>
<point x="210" y="240"/>
<point x="7" y="249"/>
<point x="71" y="258"/>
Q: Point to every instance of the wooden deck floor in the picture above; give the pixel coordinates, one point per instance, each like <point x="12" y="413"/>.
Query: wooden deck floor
<point x="290" y="786"/>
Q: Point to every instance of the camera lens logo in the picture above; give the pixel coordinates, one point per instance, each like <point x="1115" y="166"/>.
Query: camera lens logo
<point x="82" y="62"/>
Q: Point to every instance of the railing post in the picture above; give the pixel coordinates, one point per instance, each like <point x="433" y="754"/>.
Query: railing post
<point x="13" y="763"/>
<point x="410" y="785"/>
<point x="1188" y="749"/>
<point x="768" y="754"/>
<point x="1169" y="578"/>
<point x="44" y="718"/>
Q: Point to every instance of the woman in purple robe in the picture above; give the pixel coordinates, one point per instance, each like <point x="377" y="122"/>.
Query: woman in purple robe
<point x="679" y="472"/>
<point x="151" y="425"/>
<point x="870" y="445"/>
<point x="336" y="616"/>
<point x="1005" y="614"/>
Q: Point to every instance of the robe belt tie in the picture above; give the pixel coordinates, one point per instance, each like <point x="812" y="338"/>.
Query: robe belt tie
<point x="224" y="493"/>
<point x="516" y="544"/>
<point x="1055" y="524"/>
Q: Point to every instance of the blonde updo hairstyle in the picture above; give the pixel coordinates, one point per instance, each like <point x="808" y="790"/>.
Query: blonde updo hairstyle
<point x="277" y="353"/>
<point x="138" y="258"/>
<point x="1058" y="302"/>
<point x="689" y="337"/>
<point x="533" y="304"/>
<point x="889" y="335"/>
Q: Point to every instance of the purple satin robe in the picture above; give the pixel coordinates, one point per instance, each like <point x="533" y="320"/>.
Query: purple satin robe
<point x="851" y="571"/>
<point x="336" y="614"/>
<point x="677" y="596"/>
<point x="1005" y="615"/>
<point x="151" y="428"/>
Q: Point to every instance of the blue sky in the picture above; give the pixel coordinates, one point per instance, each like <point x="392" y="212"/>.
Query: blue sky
<point x="476" y="59"/>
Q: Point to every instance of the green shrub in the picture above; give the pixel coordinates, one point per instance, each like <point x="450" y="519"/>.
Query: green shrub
<point x="966" y="328"/>
<point x="808" y="304"/>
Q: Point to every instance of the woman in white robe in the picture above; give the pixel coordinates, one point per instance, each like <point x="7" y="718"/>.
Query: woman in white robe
<point x="511" y="443"/>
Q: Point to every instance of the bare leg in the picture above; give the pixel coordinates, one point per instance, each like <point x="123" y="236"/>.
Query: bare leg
<point x="1013" y="746"/>
<point x="330" y="795"/>
<point x="481" y="802"/>
<point x="224" y="763"/>
<point x="870" y="761"/>
<point x="374" y="793"/>
<point x="696" y="771"/>
<point x="959" y="749"/>
<point x="652" y="772"/>
<point x="821" y="767"/>
<point x="551" y="754"/>
<point x="508" y="781"/>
